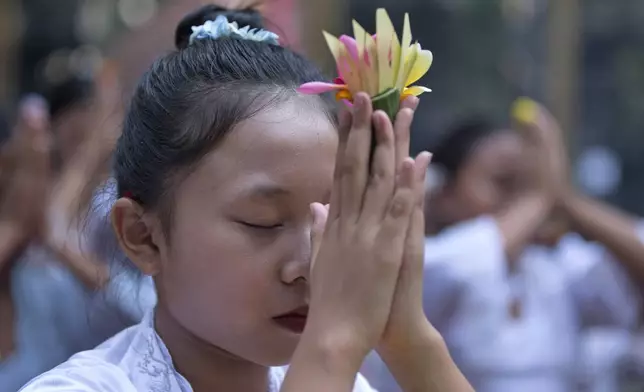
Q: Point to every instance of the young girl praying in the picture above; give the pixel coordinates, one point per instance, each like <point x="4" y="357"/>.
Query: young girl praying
<point x="222" y="171"/>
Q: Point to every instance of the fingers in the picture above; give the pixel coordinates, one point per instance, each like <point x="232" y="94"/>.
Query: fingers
<point x="29" y="179"/>
<point x="414" y="241"/>
<point x="383" y="172"/>
<point x="414" y="252"/>
<point x="396" y="221"/>
<point x="410" y="102"/>
<point x="402" y="134"/>
<point x="354" y="164"/>
<point x="345" y="121"/>
<point x="33" y="124"/>
<point x="362" y="190"/>
<point x="421" y="164"/>
<point x="319" y="214"/>
<point x="34" y="138"/>
<point x="33" y="112"/>
<point x="402" y="126"/>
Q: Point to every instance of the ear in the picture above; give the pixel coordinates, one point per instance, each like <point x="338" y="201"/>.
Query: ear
<point x="139" y="235"/>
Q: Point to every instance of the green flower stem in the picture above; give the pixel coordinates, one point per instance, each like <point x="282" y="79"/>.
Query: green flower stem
<point x="389" y="102"/>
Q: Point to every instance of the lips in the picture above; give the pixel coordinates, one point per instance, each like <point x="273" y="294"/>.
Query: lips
<point x="294" y="321"/>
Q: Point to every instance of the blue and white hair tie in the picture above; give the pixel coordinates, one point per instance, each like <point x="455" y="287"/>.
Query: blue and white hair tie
<point x="221" y="27"/>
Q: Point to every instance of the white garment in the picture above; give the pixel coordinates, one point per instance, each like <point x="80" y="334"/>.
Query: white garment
<point x="135" y="360"/>
<point x="56" y="316"/>
<point x="467" y="291"/>
<point x="603" y="354"/>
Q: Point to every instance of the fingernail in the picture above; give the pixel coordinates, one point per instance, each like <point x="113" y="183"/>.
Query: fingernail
<point x="414" y="102"/>
<point x="34" y="110"/>
<point x="364" y="99"/>
<point x="382" y="118"/>
<point x="358" y="102"/>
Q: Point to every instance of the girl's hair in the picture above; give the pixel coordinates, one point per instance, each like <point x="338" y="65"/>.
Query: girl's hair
<point x="190" y="99"/>
<point x="452" y="152"/>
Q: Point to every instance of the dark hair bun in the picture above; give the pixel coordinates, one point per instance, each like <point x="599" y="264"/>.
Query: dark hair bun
<point x="244" y="17"/>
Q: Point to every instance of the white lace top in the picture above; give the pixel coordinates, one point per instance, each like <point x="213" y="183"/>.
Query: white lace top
<point x="135" y="360"/>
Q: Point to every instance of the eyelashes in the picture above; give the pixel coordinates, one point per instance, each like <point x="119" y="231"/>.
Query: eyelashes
<point x="261" y="227"/>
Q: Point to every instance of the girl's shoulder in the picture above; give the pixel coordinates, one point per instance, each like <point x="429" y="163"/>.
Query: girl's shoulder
<point x="82" y="373"/>
<point x="133" y="360"/>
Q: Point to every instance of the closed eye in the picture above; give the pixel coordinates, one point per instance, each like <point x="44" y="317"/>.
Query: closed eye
<point x="258" y="226"/>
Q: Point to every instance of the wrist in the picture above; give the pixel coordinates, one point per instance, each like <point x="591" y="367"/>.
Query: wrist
<point x="419" y="333"/>
<point x="322" y="362"/>
<point x="334" y="350"/>
<point x="541" y="201"/>
<point x="567" y="198"/>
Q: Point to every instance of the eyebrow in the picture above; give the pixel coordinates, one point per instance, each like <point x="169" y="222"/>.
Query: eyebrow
<point x="264" y="191"/>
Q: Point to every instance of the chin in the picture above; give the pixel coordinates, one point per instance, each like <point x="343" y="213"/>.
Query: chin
<point x="277" y="351"/>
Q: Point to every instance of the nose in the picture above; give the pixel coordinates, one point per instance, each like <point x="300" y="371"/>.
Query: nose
<point x="297" y="266"/>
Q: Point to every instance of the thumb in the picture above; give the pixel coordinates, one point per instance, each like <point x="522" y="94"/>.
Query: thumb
<point x="319" y="214"/>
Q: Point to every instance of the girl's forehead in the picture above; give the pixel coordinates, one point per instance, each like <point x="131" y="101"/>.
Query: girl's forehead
<point x="288" y="146"/>
<point x="280" y="134"/>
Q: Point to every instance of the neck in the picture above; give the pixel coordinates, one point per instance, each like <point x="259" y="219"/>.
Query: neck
<point x="206" y="367"/>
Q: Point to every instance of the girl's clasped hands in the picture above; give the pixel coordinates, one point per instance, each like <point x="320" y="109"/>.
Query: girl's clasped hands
<point x="368" y="252"/>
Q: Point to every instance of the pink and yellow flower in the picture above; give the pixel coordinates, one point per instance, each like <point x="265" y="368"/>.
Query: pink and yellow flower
<point x="378" y="65"/>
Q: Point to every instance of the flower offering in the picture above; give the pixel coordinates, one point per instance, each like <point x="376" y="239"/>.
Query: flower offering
<point x="381" y="65"/>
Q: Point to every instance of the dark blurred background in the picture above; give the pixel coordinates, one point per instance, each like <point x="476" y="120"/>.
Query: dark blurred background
<point x="582" y="58"/>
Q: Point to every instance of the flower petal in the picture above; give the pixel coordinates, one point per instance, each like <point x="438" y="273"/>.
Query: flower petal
<point x="359" y="33"/>
<point x="350" y="71"/>
<point x="352" y="64"/>
<point x="402" y="76"/>
<point x="368" y="75"/>
<point x="420" y="66"/>
<point x="371" y="59"/>
<point x="319" y="87"/>
<point x="333" y="43"/>
<point x="387" y="43"/>
<point x="346" y="67"/>
<point x="415" y="91"/>
<point x="351" y="45"/>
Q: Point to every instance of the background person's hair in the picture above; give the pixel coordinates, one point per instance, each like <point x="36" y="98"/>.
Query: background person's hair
<point x="190" y="99"/>
<point x="458" y="143"/>
<point x="71" y="92"/>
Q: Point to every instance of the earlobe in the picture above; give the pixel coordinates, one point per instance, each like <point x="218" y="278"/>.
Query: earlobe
<point x="135" y="233"/>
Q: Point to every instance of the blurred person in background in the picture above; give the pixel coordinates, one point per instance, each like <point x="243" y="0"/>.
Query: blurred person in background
<point x="50" y="305"/>
<point x="511" y="274"/>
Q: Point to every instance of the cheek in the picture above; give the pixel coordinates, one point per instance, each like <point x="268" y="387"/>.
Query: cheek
<point x="209" y="271"/>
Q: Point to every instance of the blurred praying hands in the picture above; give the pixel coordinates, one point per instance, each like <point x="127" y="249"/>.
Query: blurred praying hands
<point x="44" y="204"/>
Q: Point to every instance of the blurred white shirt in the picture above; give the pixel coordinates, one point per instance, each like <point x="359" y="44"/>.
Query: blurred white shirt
<point x="57" y="316"/>
<point x="135" y="360"/>
<point x="467" y="292"/>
